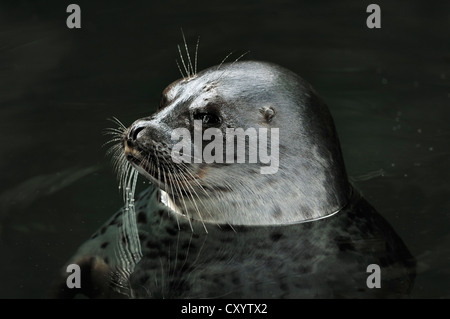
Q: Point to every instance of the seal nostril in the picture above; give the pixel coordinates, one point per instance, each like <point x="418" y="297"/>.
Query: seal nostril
<point x="132" y="136"/>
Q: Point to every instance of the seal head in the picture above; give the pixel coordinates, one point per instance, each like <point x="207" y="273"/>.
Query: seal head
<point x="306" y="179"/>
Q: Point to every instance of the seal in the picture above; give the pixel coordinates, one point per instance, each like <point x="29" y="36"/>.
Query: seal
<point x="311" y="181"/>
<point x="224" y="229"/>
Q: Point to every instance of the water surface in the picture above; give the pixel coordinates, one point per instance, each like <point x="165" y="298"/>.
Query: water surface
<point x="388" y="90"/>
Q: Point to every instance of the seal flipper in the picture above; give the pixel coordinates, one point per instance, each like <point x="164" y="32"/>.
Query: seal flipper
<point x="107" y="259"/>
<point x="97" y="261"/>
<point x="95" y="282"/>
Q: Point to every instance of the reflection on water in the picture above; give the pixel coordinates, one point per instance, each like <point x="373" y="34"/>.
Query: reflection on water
<point x="328" y="258"/>
<point x="388" y="91"/>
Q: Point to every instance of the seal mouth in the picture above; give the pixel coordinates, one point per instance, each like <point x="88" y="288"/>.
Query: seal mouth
<point x="156" y="167"/>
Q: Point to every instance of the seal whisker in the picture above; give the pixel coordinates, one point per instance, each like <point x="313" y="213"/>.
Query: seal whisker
<point x="147" y="290"/>
<point x="224" y="59"/>
<point x="187" y="170"/>
<point x="199" y="198"/>
<point x="231" y="226"/>
<point x="196" y="53"/>
<point x="124" y="178"/>
<point x="162" y="278"/>
<point x="158" y="165"/>
<point x="118" y="161"/>
<point x="120" y="165"/>
<point x="179" y="68"/>
<point x="117" y="164"/>
<point x="171" y="198"/>
<point x="180" y="270"/>
<point x="114" y="136"/>
<point x="182" y="61"/>
<point x="113" y="140"/>
<point x="156" y="280"/>
<point x="182" y="198"/>
<point x="194" y="263"/>
<point x="169" y="257"/>
<point x="170" y="180"/>
<point x="191" y="69"/>
<point x="114" y="150"/>
<point x="118" y="122"/>
<point x="118" y="276"/>
<point x="187" y="251"/>
<point x="177" y="174"/>
<point x="241" y="56"/>
<point x="188" y="190"/>
<point x="118" y="130"/>
<point x="172" y="275"/>
<point x="180" y="188"/>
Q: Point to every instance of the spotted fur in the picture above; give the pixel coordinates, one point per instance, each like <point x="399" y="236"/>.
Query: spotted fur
<point x="326" y="259"/>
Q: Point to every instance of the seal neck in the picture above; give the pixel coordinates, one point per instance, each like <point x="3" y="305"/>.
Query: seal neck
<point x="286" y="210"/>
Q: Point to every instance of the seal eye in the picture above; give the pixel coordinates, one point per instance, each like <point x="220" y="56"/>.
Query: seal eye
<point x="208" y="118"/>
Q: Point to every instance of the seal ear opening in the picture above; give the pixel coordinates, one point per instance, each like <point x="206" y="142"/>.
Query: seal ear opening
<point x="268" y="112"/>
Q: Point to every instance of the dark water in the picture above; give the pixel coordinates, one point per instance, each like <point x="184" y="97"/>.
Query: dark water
<point x="388" y="90"/>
